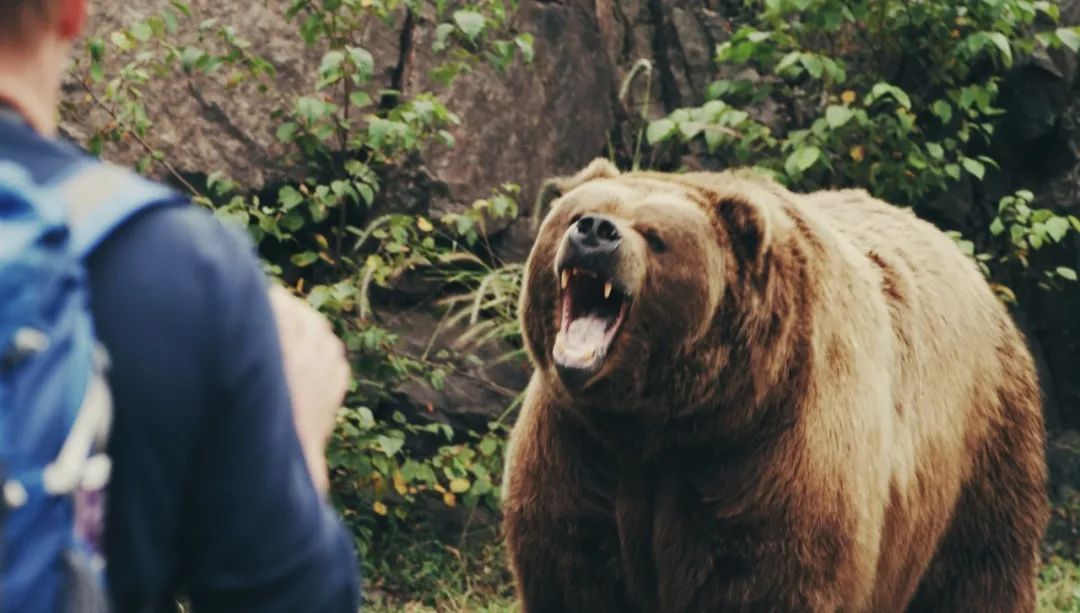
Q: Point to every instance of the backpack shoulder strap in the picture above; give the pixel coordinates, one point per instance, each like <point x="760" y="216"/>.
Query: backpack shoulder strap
<point x="100" y="197"/>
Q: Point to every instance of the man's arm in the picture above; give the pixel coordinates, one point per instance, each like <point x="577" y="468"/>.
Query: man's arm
<point x="210" y="492"/>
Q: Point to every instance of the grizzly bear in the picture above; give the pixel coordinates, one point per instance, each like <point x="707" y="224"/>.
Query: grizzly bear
<point x="748" y="399"/>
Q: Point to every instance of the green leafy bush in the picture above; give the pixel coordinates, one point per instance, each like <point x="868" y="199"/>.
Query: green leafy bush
<point x="893" y="96"/>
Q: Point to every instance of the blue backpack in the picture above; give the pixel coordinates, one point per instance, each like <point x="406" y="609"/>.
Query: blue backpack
<point x="55" y="406"/>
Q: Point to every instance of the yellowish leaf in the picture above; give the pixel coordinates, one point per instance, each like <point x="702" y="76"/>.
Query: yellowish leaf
<point x="459" y="485"/>
<point x="847" y="97"/>
<point x="379" y="508"/>
<point x="399" y="483"/>
<point x="449" y="499"/>
<point x="424" y="224"/>
<point x="857" y="153"/>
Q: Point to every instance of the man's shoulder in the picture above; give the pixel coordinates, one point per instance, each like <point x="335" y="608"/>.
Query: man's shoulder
<point x="182" y="242"/>
<point x="44" y="158"/>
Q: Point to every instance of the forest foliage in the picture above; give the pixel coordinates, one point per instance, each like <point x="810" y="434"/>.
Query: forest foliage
<point x="898" y="97"/>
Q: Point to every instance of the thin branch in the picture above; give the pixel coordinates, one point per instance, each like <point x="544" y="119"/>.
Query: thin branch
<point x="153" y="152"/>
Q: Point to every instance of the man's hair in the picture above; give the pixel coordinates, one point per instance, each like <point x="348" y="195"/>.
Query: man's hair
<point x="19" y="19"/>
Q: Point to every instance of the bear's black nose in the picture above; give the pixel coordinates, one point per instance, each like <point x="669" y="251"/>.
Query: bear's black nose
<point x="594" y="235"/>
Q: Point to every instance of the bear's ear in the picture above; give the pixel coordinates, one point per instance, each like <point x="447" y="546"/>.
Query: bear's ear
<point x="600" y="168"/>
<point x="749" y="226"/>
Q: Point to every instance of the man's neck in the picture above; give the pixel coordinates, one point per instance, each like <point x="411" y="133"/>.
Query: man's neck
<point x="29" y="87"/>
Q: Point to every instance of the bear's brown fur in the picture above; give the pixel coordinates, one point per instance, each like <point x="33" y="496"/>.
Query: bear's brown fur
<point x="813" y="403"/>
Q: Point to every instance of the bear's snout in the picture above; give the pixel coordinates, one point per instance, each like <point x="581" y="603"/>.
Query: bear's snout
<point x="592" y="242"/>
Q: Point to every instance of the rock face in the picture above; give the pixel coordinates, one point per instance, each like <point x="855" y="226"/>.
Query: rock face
<point x="200" y="127"/>
<point x="552" y="116"/>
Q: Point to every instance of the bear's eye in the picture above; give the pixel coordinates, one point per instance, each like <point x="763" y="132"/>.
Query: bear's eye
<point x="574" y="220"/>
<point x="653" y="238"/>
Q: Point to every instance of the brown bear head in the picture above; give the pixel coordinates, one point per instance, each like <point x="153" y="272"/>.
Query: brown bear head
<point x="630" y="274"/>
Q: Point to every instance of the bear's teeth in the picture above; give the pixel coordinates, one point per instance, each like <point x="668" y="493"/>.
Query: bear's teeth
<point x="583" y="354"/>
<point x="607" y="290"/>
<point x="565" y="278"/>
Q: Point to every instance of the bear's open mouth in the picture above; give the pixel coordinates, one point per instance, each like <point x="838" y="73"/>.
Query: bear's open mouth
<point x="593" y="310"/>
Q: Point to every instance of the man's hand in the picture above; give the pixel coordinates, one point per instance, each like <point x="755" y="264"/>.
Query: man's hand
<point x="317" y="372"/>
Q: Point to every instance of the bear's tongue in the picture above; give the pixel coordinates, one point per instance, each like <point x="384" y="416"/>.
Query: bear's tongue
<point x="591" y="314"/>
<point x="586" y="336"/>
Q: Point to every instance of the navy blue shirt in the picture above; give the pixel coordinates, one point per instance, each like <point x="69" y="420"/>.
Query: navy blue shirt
<point x="210" y="494"/>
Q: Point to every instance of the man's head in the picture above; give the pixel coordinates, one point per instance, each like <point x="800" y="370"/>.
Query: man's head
<point x="27" y="21"/>
<point x="35" y="39"/>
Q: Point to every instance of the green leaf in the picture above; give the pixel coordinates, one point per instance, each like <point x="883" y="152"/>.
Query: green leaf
<point x="524" y="43"/>
<point x="975" y="167"/>
<point x="389" y="445"/>
<point x="360" y="99"/>
<point x="171" y="24"/>
<point x="1066" y="273"/>
<point x="837" y="115"/>
<point x="802" y="159"/>
<point x="141" y="31"/>
<point x="292" y="221"/>
<point x="886" y="89"/>
<point x="787" y="61"/>
<point x="470" y="23"/>
<point x="331" y="61"/>
<point x="713" y="138"/>
<point x="363" y="61"/>
<point x="304" y="259"/>
<point x="835" y="71"/>
<point x="1002" y="43"/>
<point x="813" y="65"/>
<point x="943" y="110"/>
<point x="690" y="129"/>
<point x="289" y="197"/>
<point x="310" y="109"/>
<point x="377" y="130"/>
<point x="286" y="131"/>
<point x="1016" y="235"/>
<point x="997" y="227"/>
<point x="189" y="57"/>
<point x="96" y="46"/>
<point x="935" y="150"/>
<point x="487" y="446"/>
<point x="441" y="33"/>
<point x="121" y="40"/>
<point x="1069" y="37"/>
<point x="1057" y="228"/>
<point x="366" y="192"/>
<point x="660" y="130"/>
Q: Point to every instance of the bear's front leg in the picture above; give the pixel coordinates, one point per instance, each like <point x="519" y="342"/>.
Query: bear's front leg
<point x="765" y="559"/>
<point x="560" y="534"/>
<point x="564" y="566"/>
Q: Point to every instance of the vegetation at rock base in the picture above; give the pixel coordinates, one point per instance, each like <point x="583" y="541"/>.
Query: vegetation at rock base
<point x="901" y="98"/>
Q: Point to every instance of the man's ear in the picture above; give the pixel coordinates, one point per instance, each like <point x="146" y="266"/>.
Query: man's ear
<point x="70" y="18"/>
<point x="600" y="168"/>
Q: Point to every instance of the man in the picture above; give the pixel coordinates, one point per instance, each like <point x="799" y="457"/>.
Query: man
<point x="211" y="496"/>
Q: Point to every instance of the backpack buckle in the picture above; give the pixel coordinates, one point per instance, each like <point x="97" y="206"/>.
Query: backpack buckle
<point x="77" y="465"/>
<point x="25" y="343"/>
